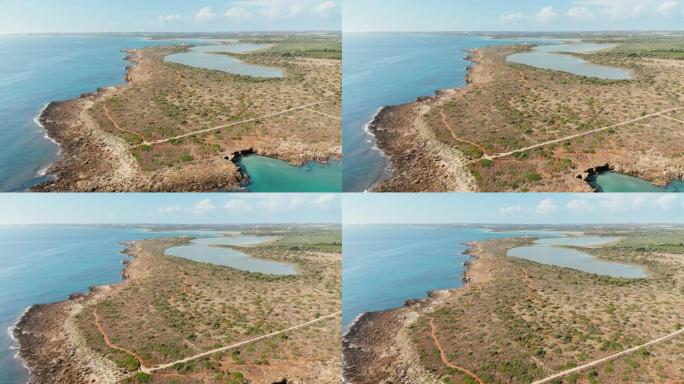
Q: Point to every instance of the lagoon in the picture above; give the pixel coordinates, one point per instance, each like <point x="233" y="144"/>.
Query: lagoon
<point x="553" y="251"/>
<point x="267" y="174"/>
<point x="216" y="250"/>
<point x="552" y="57"/>
<point x="213" y="57"/>
<point x="619" y="182"/>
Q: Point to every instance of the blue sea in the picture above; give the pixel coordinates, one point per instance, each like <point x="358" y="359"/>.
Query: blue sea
<point x="43" y="264"/>
<point x="385" y="265"/>
<point x="393" y="68"/>
<point x="38" y="69"/>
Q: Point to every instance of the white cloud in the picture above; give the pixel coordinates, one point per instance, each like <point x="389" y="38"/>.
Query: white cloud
<point x="323" y="9"/>
<point x="238" y="205"/>
<point x="238" y="13"/>
<point x="627" y="9"/>
<point x="667" y="7"/>
<point x="666" y="202"/>
<point x="169" y="210"/>
<point x="579" y="13"/>
<point x="510" y="210"/>
<point x="579" y="205"/>
<point x="621" y="203"/>
<point x="284" y="9"/>
<point x="546" y="14"/>
<point x="512" y="17"/>
<point x="545" y="207"/>
<point x="324" y="202"/>
<point x="204" y="206"/>
<point x="169" y="18"/>
<point x="205" y="14"/>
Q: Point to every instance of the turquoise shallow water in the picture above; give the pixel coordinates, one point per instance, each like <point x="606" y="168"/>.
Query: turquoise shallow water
<point x="209" y="57"/>
<point x="208" y="250"/>
<point x="385" y="265"/>
<point x="552" y="57"/>
<point x="43" y="264"/>
<point x="38" y="69"/>
<point x="272" y="175"/>
<point x="547" y="251"/>
<point x="383" y="69"/>
<point x="619" y="182"/>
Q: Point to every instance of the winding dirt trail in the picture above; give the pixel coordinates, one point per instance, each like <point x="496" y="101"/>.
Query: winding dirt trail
<point x="455" y="137"/>
<point x="607" y="358"/>
<point x="444" y="358"/>
<point x="116" y="125"/>
<point x="114" y="346"/>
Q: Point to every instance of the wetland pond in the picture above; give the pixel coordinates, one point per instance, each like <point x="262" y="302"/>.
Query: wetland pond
<point x="216" y="250"/>
<point x="554" y="57"/>
<point x="553" y="251"/>
<point x="214" y="57"/>
<point x="619" y="182"/>
<point x="267" y="174"/>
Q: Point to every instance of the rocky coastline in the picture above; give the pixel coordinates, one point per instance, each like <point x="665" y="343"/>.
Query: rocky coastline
<point x="418" y="162"/>
<point x="53" y="348"/>
<point x="93" y="160"/>
<point x="377" y="347"/>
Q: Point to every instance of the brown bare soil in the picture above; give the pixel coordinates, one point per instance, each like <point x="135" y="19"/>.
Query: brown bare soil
<point x="110" y="140"/>
<point x="507" y="107"/>
<point x="517" y="321"/>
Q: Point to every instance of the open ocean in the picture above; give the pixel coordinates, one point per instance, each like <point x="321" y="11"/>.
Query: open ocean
<point x="38" y="69"/>
<point x="385" y="265"/>
<point x="43" y="264"/>
<point x="393" y="68"/>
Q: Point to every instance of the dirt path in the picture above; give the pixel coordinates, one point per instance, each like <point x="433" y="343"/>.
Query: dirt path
<point x="232" y="124"/>
<point x="504" y="154"/>
<point x="443" y="355"/>
<point x="673" y="119"/>
<point x="236" y="345"/>
<point x="116" y="125"/>
<point x="607" y="358"/>
<point x="324" y="114"/>
<point x="455" y="137"/>
<point x="113" y="346"/>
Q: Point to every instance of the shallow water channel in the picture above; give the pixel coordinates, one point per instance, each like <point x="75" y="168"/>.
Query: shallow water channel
<point x="216" y="250"/>
<point x="213" y="57"/>
<point x="555" y="57"/>
<point x="553" y="251"/>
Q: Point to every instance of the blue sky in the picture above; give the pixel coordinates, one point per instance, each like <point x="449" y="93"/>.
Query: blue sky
<point x="521" y="208"/>
<point x="506" y="15"/>
<point x="31" y="16"/>
<point x="204" y="208"/>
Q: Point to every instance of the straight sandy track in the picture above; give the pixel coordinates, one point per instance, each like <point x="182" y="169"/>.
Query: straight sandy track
<point x="607" y="358"/>
<point x="234" y="124"/>
<point x="444" y="358"/>
<point x="324" y="114"/>
<point x="236" y="345"/>
<point x="505" y="154"/>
